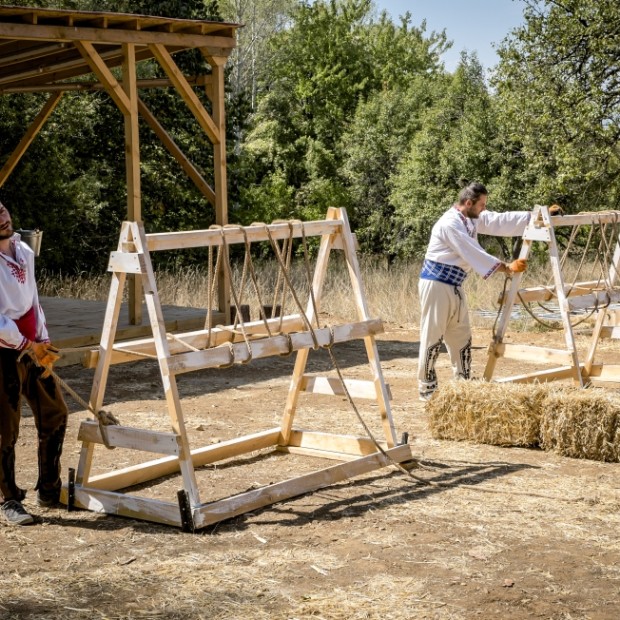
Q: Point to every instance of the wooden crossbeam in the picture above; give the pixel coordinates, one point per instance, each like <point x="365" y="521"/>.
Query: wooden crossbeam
<point x="257" y="498"/>
<point x="255" y="233"/>
<point x="274" y="345"/>
<point x="357" y="388"/>
<point x="129" y="437"/>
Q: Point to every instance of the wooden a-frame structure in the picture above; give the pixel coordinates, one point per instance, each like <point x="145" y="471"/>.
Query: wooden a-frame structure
<point x="221" y="347"/>
<point x="596" y="295"/>
<point x="54" y="51"/>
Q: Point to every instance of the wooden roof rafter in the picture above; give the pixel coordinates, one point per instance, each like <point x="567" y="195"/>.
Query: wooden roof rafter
<point x="38" y="47"/>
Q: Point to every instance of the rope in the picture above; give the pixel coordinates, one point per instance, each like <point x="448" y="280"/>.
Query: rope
<point x="104" y="418"/>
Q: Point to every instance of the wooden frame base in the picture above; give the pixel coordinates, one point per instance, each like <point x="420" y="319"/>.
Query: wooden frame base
<point x="224" y="347"/>
<point x="102" y="493"/>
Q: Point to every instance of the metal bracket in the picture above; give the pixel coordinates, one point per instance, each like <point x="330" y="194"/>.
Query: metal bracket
<point x="187" y="519"/>
<point x="71" y="490"/>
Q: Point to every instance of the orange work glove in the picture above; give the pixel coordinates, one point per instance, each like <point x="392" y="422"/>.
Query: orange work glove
<point x="45" y="355"/>
<point x="556" y="210"/>
<point x="517" y="266"/>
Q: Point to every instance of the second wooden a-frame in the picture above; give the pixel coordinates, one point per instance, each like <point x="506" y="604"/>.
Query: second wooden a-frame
<point x="218" y="347"/>
<point x="596" y="295"/>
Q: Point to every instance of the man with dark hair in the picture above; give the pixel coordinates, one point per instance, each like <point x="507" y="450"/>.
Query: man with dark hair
<point x="26" y="359"/>
<point x="453" y="251"/>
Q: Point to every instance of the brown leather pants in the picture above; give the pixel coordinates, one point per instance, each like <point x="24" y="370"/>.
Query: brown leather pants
<point x="50" y="417"/>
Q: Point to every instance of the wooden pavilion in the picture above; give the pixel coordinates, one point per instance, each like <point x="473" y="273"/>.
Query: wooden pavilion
<point x="53" y="51"/>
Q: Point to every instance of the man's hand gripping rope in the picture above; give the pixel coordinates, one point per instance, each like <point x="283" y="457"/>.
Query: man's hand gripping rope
<point x="45" y="355"/>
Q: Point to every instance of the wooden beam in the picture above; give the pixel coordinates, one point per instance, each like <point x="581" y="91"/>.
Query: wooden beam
<point x="26" y="141"/>
<point x="132" y="506"/>
<point x="131" y="438"/>
<point x="176" y="152"/>
<point x="530" y="353"/>
<point x="541" y="376"/>
<point x="265" y="496"/>
<point x="151" y="470"/>
<point x="104" y="74"/>
<point x="219" y="166"/>
<point x="187" y="94"/>
<point x="112" y="35"/>
<point x="213" y="237"/>
<point x="357" y="388"/>
<point x="328" y="442"/>
<point x="132" y="350"/>
<point x="275" y="345"/>
<point x="200" y="80"/>
<point x="132" y="168"/>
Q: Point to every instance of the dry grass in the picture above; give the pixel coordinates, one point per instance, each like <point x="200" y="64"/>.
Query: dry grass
<point x="391" y="289"/>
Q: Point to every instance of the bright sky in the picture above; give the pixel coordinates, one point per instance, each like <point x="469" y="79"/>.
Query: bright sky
<point x="472" y="25"/>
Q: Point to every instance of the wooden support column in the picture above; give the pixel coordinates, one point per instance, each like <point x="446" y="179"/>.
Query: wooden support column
<point x="132" y="167"/>
<point x="219" y="162"/>
<point x="25" y="142"/>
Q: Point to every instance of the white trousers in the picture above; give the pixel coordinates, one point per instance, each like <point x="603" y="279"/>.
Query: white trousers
<point x="444" y="318"/>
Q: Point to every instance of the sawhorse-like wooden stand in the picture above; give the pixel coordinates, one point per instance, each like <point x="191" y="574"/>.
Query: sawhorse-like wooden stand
<point x="218" y="347"/>
<point x="596" y="294"/>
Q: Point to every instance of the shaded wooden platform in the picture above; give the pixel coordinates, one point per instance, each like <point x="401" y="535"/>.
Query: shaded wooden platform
<point x="76" y="323"/>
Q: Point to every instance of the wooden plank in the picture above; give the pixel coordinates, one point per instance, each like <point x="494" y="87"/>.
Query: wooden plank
<point x="104" y="74"/>
<point x="532" y="353"/>
<point x="26" y="141"/>
<point x="187" y="94"/>
<point x="328" y="442"/>
<point x="540" y="376"/>
<point x="606" y="217"/>
<point x="213" y="237"/>
<point x="114" y="35"/>
<point x="131" y="438"/>
<point x="219" y="171"/>
<point x="151" y="470"/>
<point x="605" y="372"/>
<point x="546" y="293"/>
<point x="357" y="388"/>
<point x="275" y="345"/>
<point x="383" y="399"/>
<point x="175" y="151"/>
<point x="595" y="300"/>
<point x="133" y="350"/>
<point x="265" y="496"/>
<point x="127" y="262"/>
<point x="612" y="332"/>
<point x="131" y="506"/>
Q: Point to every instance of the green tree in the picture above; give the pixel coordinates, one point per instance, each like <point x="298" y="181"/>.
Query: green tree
<point x="558" y="86"/>
<point x="455" y="141"/>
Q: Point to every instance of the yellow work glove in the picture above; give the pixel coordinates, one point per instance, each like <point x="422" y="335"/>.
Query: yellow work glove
<point x="556" y="210"/>
<point x="517" y="266"/>
<point x="45" y="355"/>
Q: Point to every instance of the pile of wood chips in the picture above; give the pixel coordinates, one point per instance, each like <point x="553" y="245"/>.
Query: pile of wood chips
<point x="570" y="421"/>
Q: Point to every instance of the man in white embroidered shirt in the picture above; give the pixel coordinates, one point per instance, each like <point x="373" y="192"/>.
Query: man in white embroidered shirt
<point x="26" y="359"/>
<point x="453" y="251"/>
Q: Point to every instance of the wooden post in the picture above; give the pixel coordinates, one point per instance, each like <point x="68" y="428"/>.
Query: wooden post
<point x="132" y="167"/>
<point x="219" y="162"/>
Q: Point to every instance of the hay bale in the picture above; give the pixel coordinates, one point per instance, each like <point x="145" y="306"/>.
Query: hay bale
<point x="584" y="424"/>
<point x="500" y="414"/>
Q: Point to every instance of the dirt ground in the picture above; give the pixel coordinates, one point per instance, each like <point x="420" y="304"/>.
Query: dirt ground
<point x="498" y="533"/>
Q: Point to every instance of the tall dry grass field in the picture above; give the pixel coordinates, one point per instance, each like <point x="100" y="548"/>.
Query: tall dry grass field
<point x="391" y="289"/>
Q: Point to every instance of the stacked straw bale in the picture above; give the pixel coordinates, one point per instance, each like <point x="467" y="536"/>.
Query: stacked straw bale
<point x="570" y="421"/>
<point x="506" y="414"/>
<point x="583" y="425"/>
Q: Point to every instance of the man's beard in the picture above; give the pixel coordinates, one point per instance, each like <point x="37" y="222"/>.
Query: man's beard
<point x="6" y="234"/>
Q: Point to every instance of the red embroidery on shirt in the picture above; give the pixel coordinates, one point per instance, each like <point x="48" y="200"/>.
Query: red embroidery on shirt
<point x="18" y="273"/>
